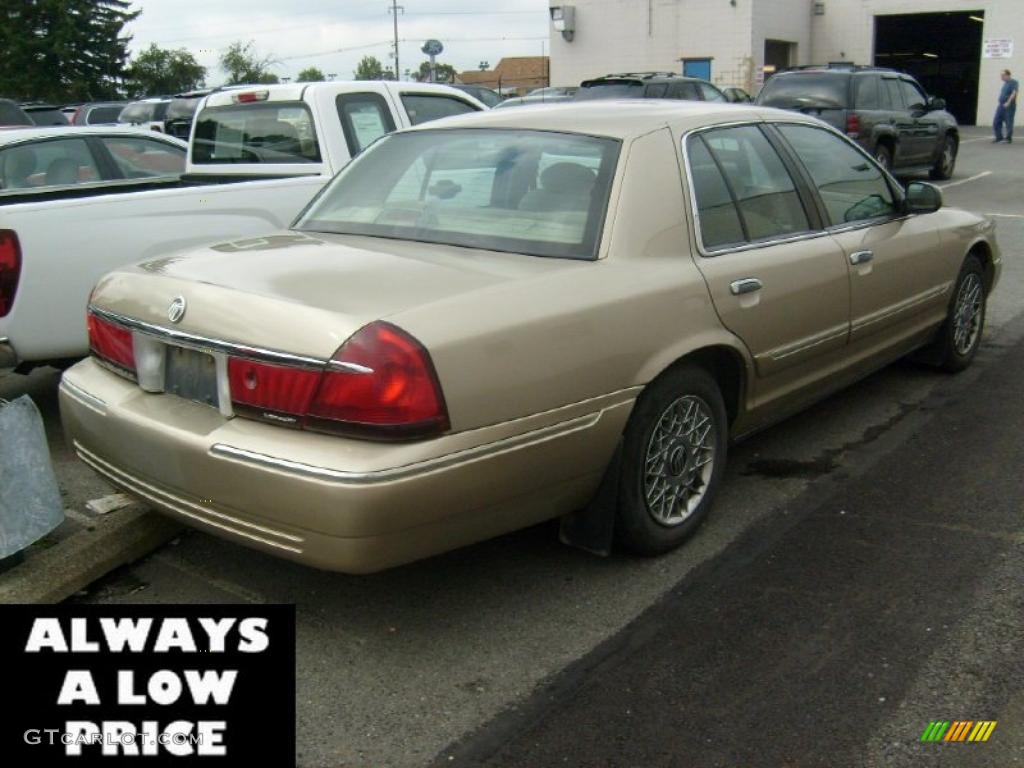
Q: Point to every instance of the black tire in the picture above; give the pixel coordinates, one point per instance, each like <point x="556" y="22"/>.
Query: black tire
<point x="946" y="162"/>
<point x="953" y="352"/>
<point x="638" y="530"/>
<point x="883" y="156"/>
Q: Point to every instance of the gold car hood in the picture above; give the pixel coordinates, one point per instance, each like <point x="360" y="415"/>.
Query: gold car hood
<point x="304" y="293"/>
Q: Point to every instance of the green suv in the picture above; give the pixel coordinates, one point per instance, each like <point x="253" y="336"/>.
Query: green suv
<point x="887" y="112"/>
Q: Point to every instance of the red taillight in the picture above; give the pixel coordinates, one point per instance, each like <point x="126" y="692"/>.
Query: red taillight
<point x="380" y="381"/>
<point x="853" y="124"/>
<point x="111" y="343"/>
<point x="276" y="389"/>
<point x="10" y="269"/>
<point x="249" y="97"/>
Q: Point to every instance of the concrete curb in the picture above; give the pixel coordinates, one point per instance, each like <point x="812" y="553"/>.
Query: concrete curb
<point x="54" y="574"/>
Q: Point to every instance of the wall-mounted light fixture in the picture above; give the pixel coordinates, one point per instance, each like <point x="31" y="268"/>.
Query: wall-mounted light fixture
<point x="563" y="19"/>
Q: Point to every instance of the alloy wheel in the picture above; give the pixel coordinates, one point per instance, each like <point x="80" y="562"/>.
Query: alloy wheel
<point x="679" y="460"/>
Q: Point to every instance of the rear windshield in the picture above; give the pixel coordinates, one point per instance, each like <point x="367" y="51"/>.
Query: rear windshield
<point x="533" y="192"/>
<point x="277" y="132"/>
<point x="11" y="114"/>
<point x="611" y="90"/>
<point x="47" y="117"/>
<point x="817" y="90"/>
<point x="100" y="115"/>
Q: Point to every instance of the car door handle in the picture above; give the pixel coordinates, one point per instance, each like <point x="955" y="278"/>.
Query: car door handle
<point x="861" y="257"/>
<point x="746" y="285"/>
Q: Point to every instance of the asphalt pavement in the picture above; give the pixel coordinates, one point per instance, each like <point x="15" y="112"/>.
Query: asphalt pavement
<point x="832" y="632"/>
<point x="434" y="660"/>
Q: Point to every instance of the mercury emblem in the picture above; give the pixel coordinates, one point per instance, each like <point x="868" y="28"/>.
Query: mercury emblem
<point x="177" y="309"/>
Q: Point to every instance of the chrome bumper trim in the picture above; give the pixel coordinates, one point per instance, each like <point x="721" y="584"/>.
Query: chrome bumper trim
<point x="447" y="461"/>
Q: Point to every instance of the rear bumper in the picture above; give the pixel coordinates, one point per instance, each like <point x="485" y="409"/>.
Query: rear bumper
<point x="332" y="502"/>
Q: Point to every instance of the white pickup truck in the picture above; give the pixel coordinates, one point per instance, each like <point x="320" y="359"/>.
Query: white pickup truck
<point x="256" y="157"/>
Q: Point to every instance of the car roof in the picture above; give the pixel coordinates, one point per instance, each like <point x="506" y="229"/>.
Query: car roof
<point x="14" y="135"/>
<point x="617" y="118"/>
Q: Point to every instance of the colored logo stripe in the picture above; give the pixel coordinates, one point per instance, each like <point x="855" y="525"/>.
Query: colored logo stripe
<point x="958" y="730"/>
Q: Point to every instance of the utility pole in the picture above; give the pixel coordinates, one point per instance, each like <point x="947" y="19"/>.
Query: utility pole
<point x="394" y="9"/>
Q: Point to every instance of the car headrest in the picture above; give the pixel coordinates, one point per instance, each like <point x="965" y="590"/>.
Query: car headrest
<point x="567" y="179"/>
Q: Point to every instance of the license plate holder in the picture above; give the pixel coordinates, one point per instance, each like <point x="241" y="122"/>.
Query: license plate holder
<point x="191" y="374"/>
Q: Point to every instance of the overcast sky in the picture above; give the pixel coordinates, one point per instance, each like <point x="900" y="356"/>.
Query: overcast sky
<point x="335" y="34"/>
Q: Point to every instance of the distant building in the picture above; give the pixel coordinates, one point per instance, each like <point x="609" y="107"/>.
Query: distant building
<point x="955" y="48"/>
<point x="514" y="75"/>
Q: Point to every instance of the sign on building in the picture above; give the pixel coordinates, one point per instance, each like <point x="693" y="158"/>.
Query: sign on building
<point x="998" y="48"/>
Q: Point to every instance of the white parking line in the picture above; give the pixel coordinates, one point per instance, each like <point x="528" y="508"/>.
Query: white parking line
<point x="975" y="177"/>
<point x="1005" y="215"/>
<point x="979" y="138"/>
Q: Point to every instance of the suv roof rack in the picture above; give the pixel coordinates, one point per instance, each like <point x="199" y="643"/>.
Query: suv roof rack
<point x="639" y="75"/>
<point x="841" y="66"/>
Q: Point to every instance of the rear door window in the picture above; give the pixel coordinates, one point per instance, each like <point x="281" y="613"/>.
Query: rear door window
<point x="424" y="107"/>
<point x="656" y="90"/>
<point x="716" y="211"/>
<point x="54" y="163"/>
<point x="365" y="117"/>
<point x="268" y="132"/>
<point x="764" y="193"/>
<point x="684" y="90"/>
<point x="139" y="158"/>
<point x="865" y="92"/>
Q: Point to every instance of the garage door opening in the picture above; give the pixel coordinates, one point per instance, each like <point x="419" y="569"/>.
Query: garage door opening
<point x="942" y="50"/>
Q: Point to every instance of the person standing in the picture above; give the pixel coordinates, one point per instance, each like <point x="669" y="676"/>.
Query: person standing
<point x="1007" y="108"/>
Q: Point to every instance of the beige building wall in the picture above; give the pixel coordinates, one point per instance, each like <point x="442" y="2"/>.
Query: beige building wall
<point x="654" y="35"/>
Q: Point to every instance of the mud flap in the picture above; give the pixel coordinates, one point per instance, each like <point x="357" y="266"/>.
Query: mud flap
<point x="593" y="527"/>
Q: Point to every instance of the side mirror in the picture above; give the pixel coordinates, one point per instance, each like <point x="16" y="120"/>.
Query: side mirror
<point x="936" y="104"/>
<point x="922" y="198"/>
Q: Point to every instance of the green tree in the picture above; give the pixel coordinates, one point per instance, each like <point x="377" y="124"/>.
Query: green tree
<point x="63" y="50"/>
<point x="445" y="73"/>
<point x="310" y="75"/>
<point x="243" y="64"/>
<point x="161" y="71"/>
<point x="370" y="68"/>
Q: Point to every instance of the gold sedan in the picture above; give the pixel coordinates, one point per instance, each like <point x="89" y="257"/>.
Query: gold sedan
<point x="511" y="316"/>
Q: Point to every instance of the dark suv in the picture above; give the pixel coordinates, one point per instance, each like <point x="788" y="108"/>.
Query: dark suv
<point x="648" y="85"/>
<point x="885" y="111"/>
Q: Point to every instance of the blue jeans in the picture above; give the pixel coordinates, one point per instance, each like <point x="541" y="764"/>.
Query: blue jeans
<point x="1003" y="117"/>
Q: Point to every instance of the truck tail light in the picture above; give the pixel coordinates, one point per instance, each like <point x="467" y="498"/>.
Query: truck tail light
<point x="111" y="343"/>
<point x="380" y="383"/>
<point x="10" y="269"/>
<point x="853" y="125"/>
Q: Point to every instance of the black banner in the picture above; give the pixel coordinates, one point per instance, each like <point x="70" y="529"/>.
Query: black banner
<point x="180" y="685"/>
